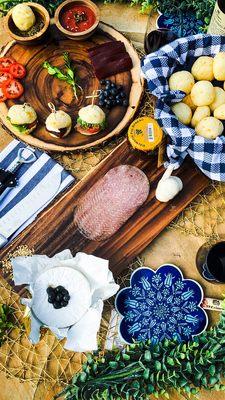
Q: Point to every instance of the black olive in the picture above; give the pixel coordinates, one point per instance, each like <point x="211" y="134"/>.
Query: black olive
<point x="51" y="299"/>
<point x="108" y="82"/>
<point x="64" y="303"/>
<point x="50" y="290"/>
<point x="118" y="97"/>
<point x="113" y="85"/>
<point x="103" y="82"/>
<point x="101" y="103"/>
<point x="123" y="95"/>
<point x="56" y="305"/>
<point x="125" y="103"/>
<point x="66" y="297"/>
<point x="105" y="93"/>
<point x="59" y="288"/>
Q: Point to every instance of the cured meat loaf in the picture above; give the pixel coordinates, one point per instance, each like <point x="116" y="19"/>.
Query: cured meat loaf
<point x="115" y="67"/>
<point x="111" y="202"/>
<point x="108" y="47"/>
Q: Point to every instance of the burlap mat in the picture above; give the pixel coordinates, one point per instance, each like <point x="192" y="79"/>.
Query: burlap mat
<point x="48" y="361"/>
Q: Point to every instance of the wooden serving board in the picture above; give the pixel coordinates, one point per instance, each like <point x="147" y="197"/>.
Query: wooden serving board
<point x="42" y="88"/>
<point x="54" y="229"/>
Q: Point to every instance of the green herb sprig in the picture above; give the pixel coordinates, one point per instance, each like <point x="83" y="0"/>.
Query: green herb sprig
<point x="6" y="323"/>
<point x="68" y="75"/>
<point x="144" y="369"/>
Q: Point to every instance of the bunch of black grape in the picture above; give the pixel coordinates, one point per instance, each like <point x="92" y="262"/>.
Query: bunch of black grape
<point x="59" y="297"/>
<point x="112" y="95"/>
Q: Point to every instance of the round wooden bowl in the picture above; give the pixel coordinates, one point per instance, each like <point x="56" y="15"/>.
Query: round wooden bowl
<point x="77" y="35"/>
<point x="38" y="37"/>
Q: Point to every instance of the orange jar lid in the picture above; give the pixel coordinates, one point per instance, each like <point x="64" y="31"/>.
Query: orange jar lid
<point x="145" y="134"/>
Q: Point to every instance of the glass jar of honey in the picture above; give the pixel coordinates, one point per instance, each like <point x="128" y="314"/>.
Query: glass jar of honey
<point x="146" y="138"/>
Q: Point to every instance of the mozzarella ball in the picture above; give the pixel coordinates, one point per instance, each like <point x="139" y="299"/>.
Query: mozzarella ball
<point x="202" y="69"/>
<point x="181" y="80"/>
<point x="203" y="93"/>
<point x="209" y="128"/>
<point x="23" y="17"/>
<point x="182" y="112"/>
<point x="219" y="66"/>
<point x="220" y="112"/>
<point x="199" y="114"/>
<point x="219" y="98"/>
<point x="187" y="100"/>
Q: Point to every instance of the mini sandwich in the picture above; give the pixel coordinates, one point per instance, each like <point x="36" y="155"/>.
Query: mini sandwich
<point x="23" y="118"/>
<point x="59" y="124"/>
<point x="91" y="120"/>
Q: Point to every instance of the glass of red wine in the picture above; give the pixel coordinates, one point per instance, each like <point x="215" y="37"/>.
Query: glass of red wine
<point x="210" y="262"/>
<point x="158" y="38"/>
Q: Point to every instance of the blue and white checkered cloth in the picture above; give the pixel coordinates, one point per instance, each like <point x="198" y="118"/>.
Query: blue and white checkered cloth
<point x="209" y="155"/>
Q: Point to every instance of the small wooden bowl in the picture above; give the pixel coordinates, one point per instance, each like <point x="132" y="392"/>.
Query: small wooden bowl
<point x="77" y="35"/>
<point x="37" y="37"/>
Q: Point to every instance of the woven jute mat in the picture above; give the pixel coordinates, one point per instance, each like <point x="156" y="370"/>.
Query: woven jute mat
<point x="48" y="363"/>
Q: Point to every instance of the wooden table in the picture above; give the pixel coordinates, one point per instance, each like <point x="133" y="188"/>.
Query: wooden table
<point x="169" y="246"/>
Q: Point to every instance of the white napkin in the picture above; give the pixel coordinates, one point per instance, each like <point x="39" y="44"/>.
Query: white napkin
<point x="82" y="335"/>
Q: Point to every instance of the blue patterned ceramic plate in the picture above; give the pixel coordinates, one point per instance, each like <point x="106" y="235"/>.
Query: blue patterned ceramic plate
<point x="182" y="25"/>
<point x="160" y="304"/>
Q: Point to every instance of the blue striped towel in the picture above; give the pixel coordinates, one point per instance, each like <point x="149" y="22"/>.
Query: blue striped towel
<point x="29" y="176"/>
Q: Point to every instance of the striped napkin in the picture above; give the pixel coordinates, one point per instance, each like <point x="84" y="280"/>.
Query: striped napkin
<point x="30" y="177"/>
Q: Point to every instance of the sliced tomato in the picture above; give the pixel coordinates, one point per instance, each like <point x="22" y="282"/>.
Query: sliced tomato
<point x="17" y="70"/>
<point x="2" y="95"/>
<point x="5" y="63"/>
<point x="13" y="89"/>
<point x="94" y="129"/>
<point x="89" y="131"/>
<point x="5" y="77"/>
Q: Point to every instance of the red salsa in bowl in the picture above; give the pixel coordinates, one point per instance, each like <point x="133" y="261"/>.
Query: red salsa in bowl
<point x="77" y="18"/>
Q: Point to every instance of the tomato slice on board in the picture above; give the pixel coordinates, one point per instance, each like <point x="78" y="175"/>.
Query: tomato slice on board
<point x="13" y="89"/>
<point x="5" y="63"/>
<point x="2" y="95"/>
<point x="5" y="77"/>
<point x="17" y="70"/>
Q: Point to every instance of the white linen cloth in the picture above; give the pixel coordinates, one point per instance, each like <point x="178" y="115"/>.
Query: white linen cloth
<point x="89" y="282"/>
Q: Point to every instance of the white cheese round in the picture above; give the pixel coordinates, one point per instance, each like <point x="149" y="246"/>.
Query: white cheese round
<point x="79" y="291"/>
<point x="92" y="114"/>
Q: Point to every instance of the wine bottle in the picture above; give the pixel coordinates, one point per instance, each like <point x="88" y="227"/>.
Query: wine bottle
<point x="217" y="23"/>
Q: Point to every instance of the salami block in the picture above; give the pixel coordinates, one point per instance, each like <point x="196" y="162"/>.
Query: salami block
<point x="111" y="202"/>
<point x="115" y="67"/>
<point x="108" y="47"/>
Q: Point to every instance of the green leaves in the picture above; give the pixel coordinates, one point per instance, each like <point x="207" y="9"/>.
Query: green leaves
<point x="67" y="76"/>
<point x="6" y="323"/>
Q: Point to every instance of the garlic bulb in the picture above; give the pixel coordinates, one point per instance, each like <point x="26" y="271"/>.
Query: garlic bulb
<point x="168" y="186"/>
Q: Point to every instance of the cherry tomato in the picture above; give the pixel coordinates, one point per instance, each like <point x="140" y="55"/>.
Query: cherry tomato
<point x="17" y="70"/>
<point x="13" y="89"/>
<point x="93" y="130"/>
<point x="5" y="63"/>
<point x="5" y="77"/>
<point x="2" y="95"/>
